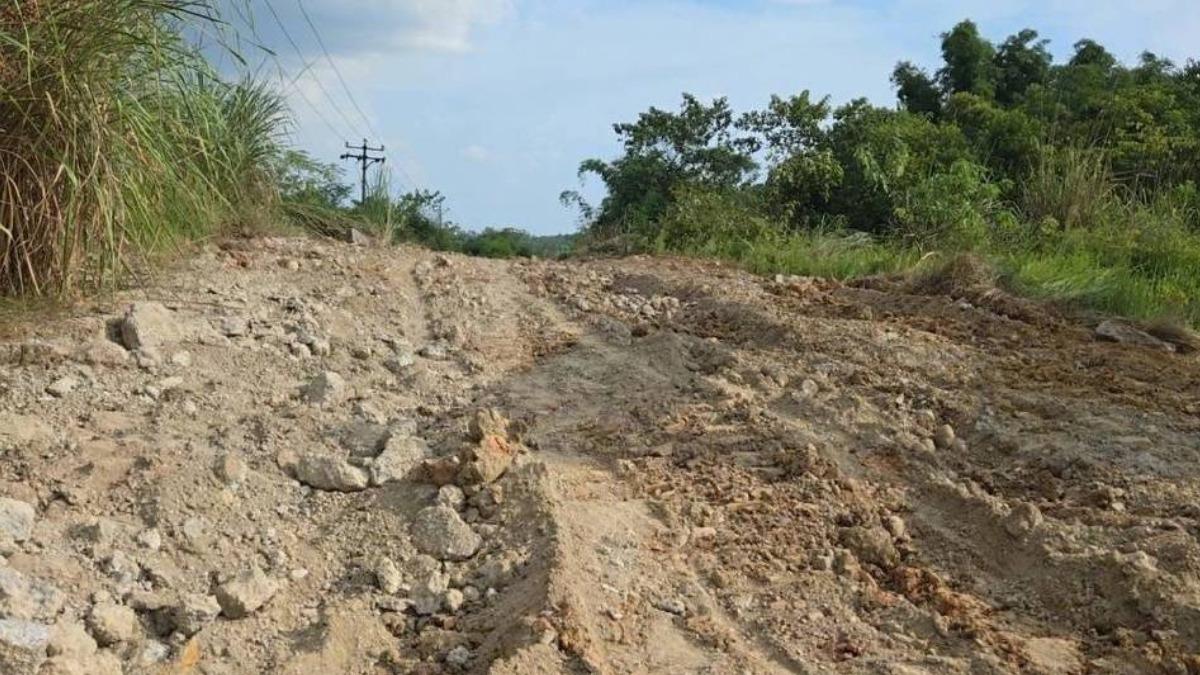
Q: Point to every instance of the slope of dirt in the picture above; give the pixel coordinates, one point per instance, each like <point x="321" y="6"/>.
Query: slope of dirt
<point x="305" y="457"/>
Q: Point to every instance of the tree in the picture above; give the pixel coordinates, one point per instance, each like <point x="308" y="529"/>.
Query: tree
<point x="969" y="61"/>
<point x="304" y="180"/>
<point x="663" y="150"/>
<point x="917" y="91"/>
<point x="1021" y="62"/>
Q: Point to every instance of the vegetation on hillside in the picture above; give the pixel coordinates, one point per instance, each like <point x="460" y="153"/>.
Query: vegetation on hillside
<point x="1077" y="179"/>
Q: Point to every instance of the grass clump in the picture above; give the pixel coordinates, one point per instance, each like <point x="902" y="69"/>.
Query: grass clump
<point x="119" y="140"/>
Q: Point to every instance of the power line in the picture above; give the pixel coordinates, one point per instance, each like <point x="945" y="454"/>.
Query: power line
<point x="337" y="71"/>
<point x="300" y="53"/>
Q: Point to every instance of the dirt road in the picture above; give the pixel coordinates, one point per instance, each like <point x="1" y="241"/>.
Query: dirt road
<point x="303" y="457"/>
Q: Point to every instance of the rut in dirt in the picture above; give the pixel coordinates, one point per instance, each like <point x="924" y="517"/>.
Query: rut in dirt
<point x="299" y="456"/>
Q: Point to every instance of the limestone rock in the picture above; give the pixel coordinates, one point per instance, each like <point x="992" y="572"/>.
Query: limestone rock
<point x="193" y="612"/>
<point x="149" y="325"/>
<point x="111" y="623"/>
<point x="16" y="519"/>
<point x="331" y="474"/>
<point x="22" y="646"/>
<point x="245" y="593"/>
<point x="328" y="388"/>
<point x="400" y="457"/>
<point x="440" y="532"/>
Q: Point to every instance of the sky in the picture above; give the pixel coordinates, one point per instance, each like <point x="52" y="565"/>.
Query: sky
<point x="494" y="103"/>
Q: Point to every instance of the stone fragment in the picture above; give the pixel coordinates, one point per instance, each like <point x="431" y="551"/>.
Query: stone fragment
<point x="111" y="623"/>
<point x="401" y="456"/>
<point x="872" y="544"/>
<point x="486" y="461"/>
<point x="193" y="612"/>
<point x="245" y="593"/>
<point x="440" y="532"/>
<point x="16" y="519"/>
<point x="328" y="388"/>
<point x="331" y="474"/>
<point x="22" y="646"/>
<point x="149" y="325"/>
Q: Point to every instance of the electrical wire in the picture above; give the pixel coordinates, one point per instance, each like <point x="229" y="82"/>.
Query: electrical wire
<point x="300" y="53"/>
<point x="337" y="71"/>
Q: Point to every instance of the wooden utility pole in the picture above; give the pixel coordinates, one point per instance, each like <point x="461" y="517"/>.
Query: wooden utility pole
<point x="365" y="159"/>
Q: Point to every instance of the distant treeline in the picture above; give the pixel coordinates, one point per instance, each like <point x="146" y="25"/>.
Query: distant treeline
<point x="1078" y="179"/>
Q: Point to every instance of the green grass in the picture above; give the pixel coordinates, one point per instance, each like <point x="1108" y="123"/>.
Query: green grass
<point x="120" y="142"/>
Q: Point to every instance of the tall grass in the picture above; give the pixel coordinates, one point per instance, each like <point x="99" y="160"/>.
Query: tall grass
<point x="118" y="139"/>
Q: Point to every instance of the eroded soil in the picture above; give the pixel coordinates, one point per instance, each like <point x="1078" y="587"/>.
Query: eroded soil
<point x="688" y="469"/>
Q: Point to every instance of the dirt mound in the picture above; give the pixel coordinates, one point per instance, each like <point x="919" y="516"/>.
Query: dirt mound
<point x="293" y="456"/>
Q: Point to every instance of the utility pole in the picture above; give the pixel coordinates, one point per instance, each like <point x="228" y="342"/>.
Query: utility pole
<point x="366" y="160"/>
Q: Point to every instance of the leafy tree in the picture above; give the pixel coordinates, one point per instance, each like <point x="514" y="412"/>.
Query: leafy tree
<point x="1022" y="61"/>
<point x="697" y="145"/>
<point x="304" y="180"/>
<point x="968" y="61"/>
<point x="917" y="91"/>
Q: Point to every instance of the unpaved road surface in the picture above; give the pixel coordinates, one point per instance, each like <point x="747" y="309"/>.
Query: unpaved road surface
<point x="291" y="456"/>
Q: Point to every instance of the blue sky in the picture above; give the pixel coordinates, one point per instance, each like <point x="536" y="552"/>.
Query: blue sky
<point x="495" y="102"/>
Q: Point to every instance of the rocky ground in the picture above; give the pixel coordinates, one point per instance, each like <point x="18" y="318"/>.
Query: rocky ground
<point x="294" y="456"/>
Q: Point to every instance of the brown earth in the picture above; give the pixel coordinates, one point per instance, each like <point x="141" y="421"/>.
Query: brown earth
<point x="688" y="469"/>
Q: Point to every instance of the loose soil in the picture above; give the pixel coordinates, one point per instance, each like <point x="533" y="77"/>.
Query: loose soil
<point x="646" y="465"/>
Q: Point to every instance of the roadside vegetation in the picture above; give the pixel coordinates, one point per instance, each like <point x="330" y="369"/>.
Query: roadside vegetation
<point x="119" y="141"/>
<point x="1076" y="180"/>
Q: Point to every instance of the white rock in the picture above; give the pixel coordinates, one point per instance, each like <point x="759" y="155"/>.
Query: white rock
<point x="441" y="533"/>
<point x="62" y="387"/>
<point x="111" y="623"/>
<point x="245" y="593"/>
<point x="400" y="457"/>
<point x="328" y="388"/>
<point x="16" y="519"/>
<point x="27" y="599"/>
<point x="331" y="473"/>
<point x="149" y="324"/>
<point x="22" y="646"/>
<point x="193" y="612"/>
